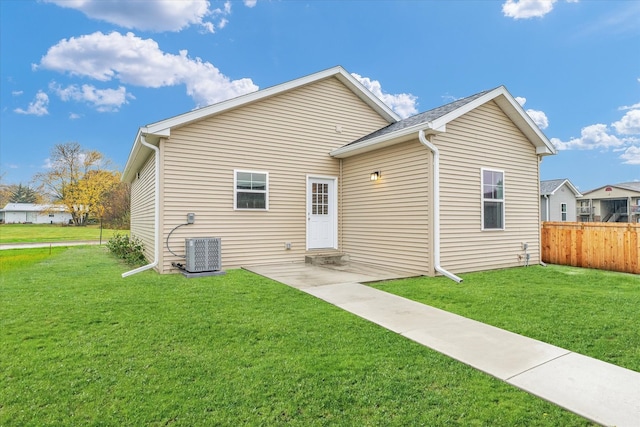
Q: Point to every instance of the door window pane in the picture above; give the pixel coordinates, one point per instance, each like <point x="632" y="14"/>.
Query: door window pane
<point x="320" y="199"/>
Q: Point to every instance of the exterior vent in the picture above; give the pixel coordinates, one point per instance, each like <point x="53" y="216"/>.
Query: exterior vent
<point x="203" y="254"/>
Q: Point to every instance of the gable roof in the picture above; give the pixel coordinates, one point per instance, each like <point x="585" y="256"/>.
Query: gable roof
<point x="154" y="131"/>
<point x="549" y="187"/>
<point x="630" y="186"/>
<point x="434" y="121"/>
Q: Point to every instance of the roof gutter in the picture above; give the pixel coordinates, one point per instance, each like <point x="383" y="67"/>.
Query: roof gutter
<point x="156" y="249"/>
<point x="436" y="207"/>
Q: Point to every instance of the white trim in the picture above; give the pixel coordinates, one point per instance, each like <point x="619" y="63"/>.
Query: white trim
<point x="338" y="72"/>
<point x="385" y="140"/>
<point x="235" y="191"/>
<point x="500" y="95"/>
<point x="568" y="184"/>
<point x="333" y="207"/>
<point x="503" y="200"/>
<point x="163" y="128"/>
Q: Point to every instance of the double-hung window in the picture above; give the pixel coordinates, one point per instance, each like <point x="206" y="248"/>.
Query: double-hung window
<point x="251" y="190"/>
<point x="492" y="199"/>
<point x="563" y="211"/>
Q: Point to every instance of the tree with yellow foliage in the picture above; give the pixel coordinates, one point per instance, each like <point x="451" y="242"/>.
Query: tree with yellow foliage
<point x="79" y="180"/>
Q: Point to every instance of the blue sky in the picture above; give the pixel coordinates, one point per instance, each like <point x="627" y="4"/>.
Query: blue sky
<point x="94" y="71"/>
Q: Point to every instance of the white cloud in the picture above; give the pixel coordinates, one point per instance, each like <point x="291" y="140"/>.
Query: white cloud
<point x="136" y="61"/>
<point x="17" y="93"/>
<point x="74" y="116"/>
<point x="538" y="117"/>
<point x="159" y="15"/>
<point x="629" y="124"/>
<point x="629" y="107"/>
<point x="524" y="9"/>
<point x="626" y="138"/>
<point x="104" y="100"/>
<point x="631" y="156"/>
<point x="594" y="136"/>
<point x="38" y="107"/>
<point x="404" y="104"/>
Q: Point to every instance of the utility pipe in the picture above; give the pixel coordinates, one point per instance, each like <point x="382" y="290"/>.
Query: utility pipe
<point x="436" y="207"/>
<point x="156" y="249"/>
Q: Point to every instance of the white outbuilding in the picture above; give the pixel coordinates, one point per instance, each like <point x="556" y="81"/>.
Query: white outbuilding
<point x="31" y="213"/>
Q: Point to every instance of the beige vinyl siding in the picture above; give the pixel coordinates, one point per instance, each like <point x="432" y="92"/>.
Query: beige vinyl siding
<point x="486" y="138"/>
<point x="387" y="222"/>
<point x="289" y="136"/>
<point x="142" y="207"/>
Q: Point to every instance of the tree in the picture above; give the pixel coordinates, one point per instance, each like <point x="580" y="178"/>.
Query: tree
<point x="78" y="179"/>
<point x="87" y="197"/>
<point x="23" y="194"/>
<point x="5" y="195"/>
<point x="117" y="214"/>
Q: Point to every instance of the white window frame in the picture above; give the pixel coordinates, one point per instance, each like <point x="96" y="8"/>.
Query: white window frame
<point x="563" y="212"/>
<point x="236" y="191"/>
<point x="483" y="200"/>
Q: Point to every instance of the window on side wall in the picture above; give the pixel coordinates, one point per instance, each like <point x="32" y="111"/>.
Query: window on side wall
<point x="563" y="211"/>
<point x="251" y="190"/>
<point x="492" y="199"/>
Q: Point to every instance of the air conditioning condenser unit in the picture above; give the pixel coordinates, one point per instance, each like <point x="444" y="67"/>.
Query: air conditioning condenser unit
<point x="203" y="254"/>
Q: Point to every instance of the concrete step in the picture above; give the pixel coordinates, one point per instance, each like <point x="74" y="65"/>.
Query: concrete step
<point x="327" y="258"/>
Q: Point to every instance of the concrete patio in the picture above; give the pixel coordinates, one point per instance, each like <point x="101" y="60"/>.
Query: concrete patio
<point x="604" y="393"/>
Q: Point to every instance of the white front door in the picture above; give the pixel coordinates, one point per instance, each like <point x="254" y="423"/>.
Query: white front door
<point x="322" y="230"/>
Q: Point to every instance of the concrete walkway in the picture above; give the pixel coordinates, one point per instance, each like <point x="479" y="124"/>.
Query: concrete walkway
<point x="601" y="392"/>
<point x="5" y="246"/>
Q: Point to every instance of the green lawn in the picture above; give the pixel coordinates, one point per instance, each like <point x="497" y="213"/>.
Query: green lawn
<point x="81" y="345"/>
<point x="22" y="233"/>
<point x="592" y="312"/>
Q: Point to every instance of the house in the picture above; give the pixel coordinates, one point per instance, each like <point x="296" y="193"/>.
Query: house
<point x="558" y="200"/>
<point x="31" y="213"/>
<point x="611" y="203"/>
<point x="321" y="164"/>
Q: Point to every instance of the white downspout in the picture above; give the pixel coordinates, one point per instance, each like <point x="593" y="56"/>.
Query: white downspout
<point x="546" y="208"/>
<point x="436" y="207"/>
<point x="156" y="249"/>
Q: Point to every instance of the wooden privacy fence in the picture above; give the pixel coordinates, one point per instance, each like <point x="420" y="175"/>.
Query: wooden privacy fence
<point x="605" y="246"/>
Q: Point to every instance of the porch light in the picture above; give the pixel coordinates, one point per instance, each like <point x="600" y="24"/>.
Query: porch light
<point x="375" y="175"/>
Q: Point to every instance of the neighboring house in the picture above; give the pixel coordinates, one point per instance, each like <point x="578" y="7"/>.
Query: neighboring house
<point x="320" y="163"/>
<point x="31" y="213"/>
<point x="611" y="203"/>
<point x="558" y="200"/>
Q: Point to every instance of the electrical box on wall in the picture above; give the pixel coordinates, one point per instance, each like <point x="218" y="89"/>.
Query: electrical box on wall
<point x="191" y="218"/>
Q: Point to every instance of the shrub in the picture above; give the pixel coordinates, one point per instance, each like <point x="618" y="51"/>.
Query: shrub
<point x="130" y="249"/>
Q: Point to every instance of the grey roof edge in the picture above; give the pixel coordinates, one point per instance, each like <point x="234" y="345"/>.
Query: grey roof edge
<point x="550" y="186"/>
<point x="420" y="118"/>
<point x="436" y="119"/>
